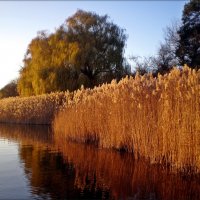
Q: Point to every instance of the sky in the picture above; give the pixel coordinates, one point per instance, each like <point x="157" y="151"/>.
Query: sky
<point x="20" y="21"/>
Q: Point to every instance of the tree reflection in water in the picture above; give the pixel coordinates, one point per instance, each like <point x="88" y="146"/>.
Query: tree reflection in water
<point x="60" y="170"/>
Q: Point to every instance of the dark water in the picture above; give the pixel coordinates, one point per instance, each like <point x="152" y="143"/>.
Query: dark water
<point x="36" y="165"/>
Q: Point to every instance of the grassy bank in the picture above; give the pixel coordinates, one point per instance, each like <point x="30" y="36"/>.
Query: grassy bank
<point x="32" y="110"/>
<point x="156" y="118"/>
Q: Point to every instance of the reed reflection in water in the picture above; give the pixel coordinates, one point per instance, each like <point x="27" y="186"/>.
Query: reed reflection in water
<point x="56" y="169"/>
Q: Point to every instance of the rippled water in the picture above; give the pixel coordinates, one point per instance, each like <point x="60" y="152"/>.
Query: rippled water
<point x="35" y="165"/>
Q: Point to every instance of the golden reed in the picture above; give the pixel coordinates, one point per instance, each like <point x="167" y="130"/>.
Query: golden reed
<point x="155" y="118"/>
<point x="32" y="110"/>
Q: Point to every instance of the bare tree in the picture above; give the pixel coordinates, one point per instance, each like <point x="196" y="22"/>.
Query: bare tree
<point x="166" y="56"/>
<point x="142" y="65"/>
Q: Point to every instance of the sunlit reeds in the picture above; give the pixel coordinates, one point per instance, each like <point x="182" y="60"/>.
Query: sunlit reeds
<point x="156" y="118"/>
<point x="32" y="110"/>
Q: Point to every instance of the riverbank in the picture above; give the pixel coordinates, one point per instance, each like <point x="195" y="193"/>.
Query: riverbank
<point x="155" y="118"/>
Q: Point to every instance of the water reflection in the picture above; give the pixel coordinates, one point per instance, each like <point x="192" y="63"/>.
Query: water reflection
<point x="55" y="169"/>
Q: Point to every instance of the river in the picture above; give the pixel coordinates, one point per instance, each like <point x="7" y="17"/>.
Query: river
<point x="36" y="165"/>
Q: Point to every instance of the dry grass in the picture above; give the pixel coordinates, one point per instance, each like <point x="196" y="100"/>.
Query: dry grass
<point x="156" y="118"/>
<point x="32" y="110"/>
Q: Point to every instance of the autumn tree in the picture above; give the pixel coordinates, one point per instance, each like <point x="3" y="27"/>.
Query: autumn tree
<point x="9" y="90"/>
<point x="86" y="50"/>
<point x="100" y="45"/>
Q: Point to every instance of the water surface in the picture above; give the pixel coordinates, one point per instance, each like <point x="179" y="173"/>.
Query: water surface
<point x="35" y="165"/>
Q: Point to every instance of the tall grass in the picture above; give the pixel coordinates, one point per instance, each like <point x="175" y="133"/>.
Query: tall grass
<point x="32" y="110"/>
<point x="156" y="118"/>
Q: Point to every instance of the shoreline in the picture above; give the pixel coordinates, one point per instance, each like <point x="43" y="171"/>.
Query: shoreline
<point x="156" y="118"/>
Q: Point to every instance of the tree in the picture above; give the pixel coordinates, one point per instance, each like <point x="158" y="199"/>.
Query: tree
<point x="189" y="44"/>
<point x="100" y="44"/>
<point x="166" y="56"/>
<point x="141" y="65"/>
<point x="87" y="49"/>
<point x="10" y="90"/>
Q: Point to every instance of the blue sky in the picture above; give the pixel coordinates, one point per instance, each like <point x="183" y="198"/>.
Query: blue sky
<point x="144" y="22"/>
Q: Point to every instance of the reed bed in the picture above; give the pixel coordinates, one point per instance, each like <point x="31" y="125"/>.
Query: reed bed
<point x="155" y="118"/>
<point x="32" y="110"/>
